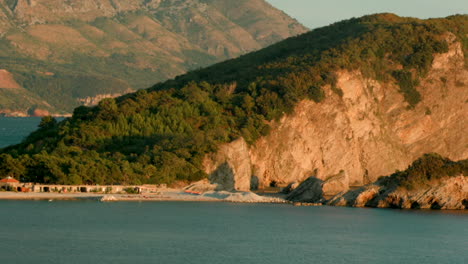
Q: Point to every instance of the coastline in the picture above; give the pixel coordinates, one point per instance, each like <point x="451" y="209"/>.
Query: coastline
<point x="163" y="196"/>
<point x="179" y="196"/>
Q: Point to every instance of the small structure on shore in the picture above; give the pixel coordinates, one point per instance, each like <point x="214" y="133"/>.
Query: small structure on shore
<point x="9" y="183"/>
<point x="107" y="189"/>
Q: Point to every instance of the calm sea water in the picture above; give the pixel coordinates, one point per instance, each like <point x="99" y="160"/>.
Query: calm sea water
<point x="177" y="232"/>
<point x="92" y="232"/>
<point x="15" y="129"/>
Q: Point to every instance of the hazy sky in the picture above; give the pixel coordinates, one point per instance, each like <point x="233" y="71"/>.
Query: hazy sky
<point x="316" y="13"/>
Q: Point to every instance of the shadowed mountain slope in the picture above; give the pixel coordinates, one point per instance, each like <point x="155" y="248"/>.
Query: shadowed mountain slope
<point x="77" y="52"/>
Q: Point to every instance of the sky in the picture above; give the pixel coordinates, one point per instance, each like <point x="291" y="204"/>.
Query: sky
<point x="317" y="13"/>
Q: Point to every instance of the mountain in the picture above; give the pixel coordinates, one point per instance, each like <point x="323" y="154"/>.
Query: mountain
<point x="67" y="53"/>
<point x="346" y="103"/>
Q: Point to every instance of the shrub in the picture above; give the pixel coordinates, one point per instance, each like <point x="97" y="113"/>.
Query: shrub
<point x="429" y="167"/>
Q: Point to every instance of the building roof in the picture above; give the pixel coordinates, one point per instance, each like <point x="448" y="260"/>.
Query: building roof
<point x="9" y="180"/>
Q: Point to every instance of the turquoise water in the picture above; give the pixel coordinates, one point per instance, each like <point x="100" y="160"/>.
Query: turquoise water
<point x="176" y="232"/>
<point x="15" y="129"/>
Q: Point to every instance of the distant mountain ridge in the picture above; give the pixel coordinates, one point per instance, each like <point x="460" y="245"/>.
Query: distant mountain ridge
<point x="67" y="52"/>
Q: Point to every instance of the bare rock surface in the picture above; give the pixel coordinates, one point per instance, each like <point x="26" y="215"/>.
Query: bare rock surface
<point x="310" y="191"/>
<point x="336" y="184"/>
<point x="448" y="193"/>
<point x="230" y="167"/>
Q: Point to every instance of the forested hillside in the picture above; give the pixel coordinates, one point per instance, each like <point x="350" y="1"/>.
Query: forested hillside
<point x="162" y="134"/>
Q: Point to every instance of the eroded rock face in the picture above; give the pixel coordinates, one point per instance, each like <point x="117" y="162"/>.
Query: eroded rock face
<point x="369" y="131"/>
<point x="310" y="191"/>
<point x="314" y="190"/>
<point x="448" y="193"/>
<point x="336" y="184"/>
<point x="94" y="100"/>
<point x="230" y="167"/>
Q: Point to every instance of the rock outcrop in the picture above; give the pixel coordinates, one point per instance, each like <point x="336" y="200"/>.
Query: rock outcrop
<point x="314" y="190"/>
<point x="335" y="184"/>
<point x="366" y="132"/>
<point x="310" y="191"/>
<point x="94" y="100"/>
<point x="447" y="193"/>
<point x="230" y="167"/>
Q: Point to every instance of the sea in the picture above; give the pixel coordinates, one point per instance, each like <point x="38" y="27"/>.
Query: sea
<point x="228" y="233"/>
<point x="14" y="129"/>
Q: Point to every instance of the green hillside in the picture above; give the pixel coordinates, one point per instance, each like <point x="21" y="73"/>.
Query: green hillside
<point x="162" y="134"/>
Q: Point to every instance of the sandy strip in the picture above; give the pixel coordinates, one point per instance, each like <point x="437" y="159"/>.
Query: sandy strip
<point x="241" y="197"/>
<point x="48" y="196"/>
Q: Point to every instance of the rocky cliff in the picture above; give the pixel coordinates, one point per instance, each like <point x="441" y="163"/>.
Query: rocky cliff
<point x="431" y="182"/>
<point x="450" y="193"/>
<point x="365" y="131"/>
<point x="99" y="47"/>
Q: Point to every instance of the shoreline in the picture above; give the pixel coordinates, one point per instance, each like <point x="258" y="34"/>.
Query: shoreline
<point x="165" y="196"/>
<point x="180" y="196"/>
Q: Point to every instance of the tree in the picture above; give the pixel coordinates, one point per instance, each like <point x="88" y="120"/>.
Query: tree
<point x="47" y="122"/>
<point x="10" y="166"/>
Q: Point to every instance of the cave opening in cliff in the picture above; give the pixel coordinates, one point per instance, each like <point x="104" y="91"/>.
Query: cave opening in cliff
<point x="436" y="206"/>
<point x="273" y="184"/>
<point x="415" y="205"/>
<point x="465" y="203"/>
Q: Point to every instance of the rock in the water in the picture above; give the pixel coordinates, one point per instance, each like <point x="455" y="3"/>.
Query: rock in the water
<point x="309" y="191"/>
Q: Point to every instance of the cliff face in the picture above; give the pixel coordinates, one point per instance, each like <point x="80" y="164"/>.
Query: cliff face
<point x="92" y="101"/>
<point x="129" y="44"/>
<point x="230" y="167"/>
<point x="369" y="131"/>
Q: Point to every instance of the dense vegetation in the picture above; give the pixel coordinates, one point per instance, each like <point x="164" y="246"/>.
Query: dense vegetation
<point x="425" y="169"/>
<point x="162" y="134"/>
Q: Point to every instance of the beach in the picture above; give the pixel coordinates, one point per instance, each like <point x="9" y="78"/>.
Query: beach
<point x="166" y="195"/>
